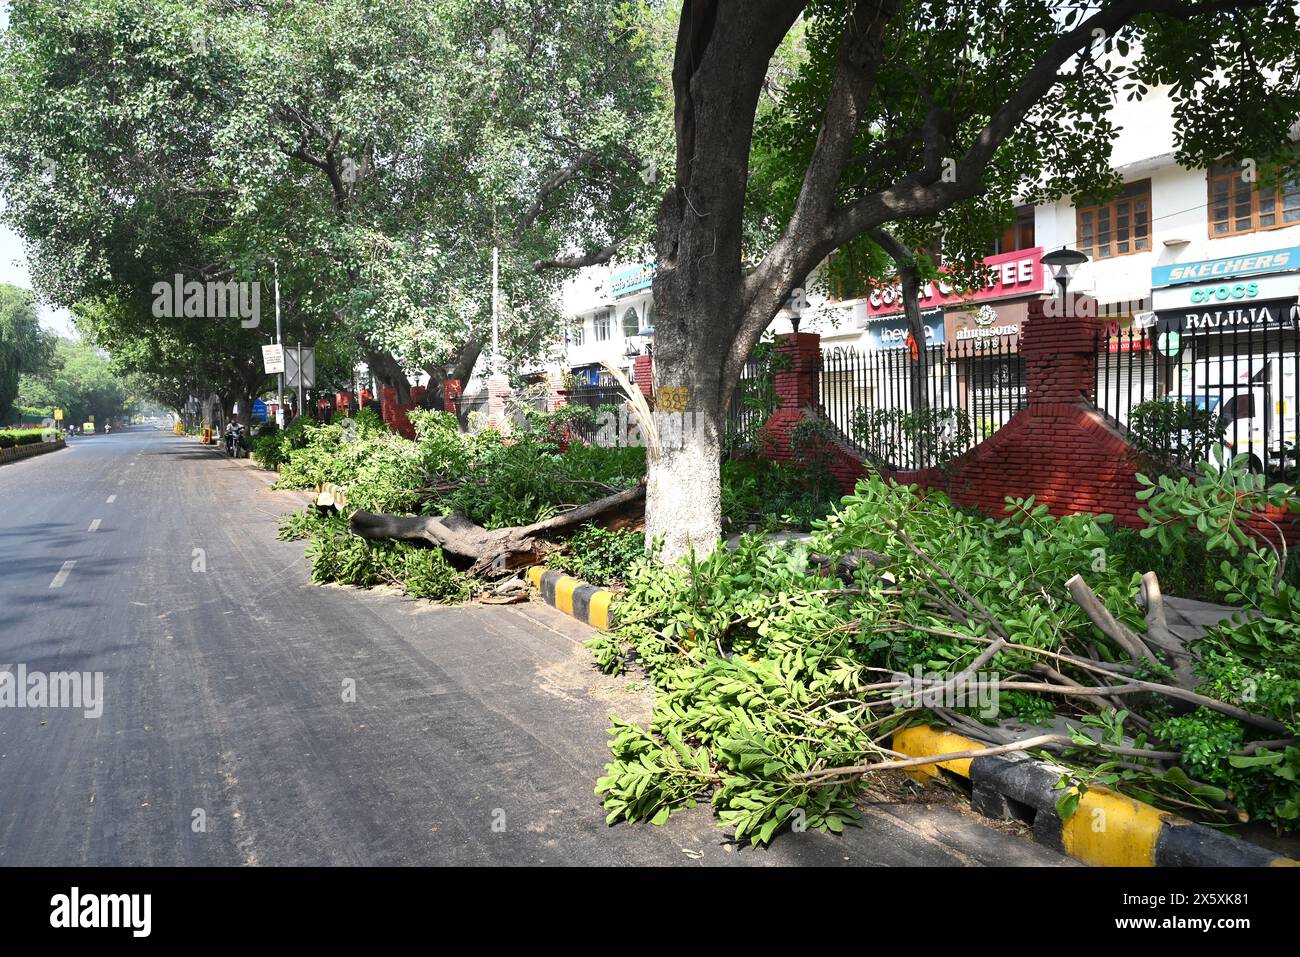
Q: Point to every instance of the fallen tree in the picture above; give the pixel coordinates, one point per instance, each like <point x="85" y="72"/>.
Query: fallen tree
<point x="500" y="550"/>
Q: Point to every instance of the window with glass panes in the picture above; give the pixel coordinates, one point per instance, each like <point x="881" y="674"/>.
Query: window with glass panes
<point x="1117" y="228"/>
<point x="600" y="325"/>
<point x="1237" y="206"/>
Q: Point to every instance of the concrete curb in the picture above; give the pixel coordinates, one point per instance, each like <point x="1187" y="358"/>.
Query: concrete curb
<point x="1107" y="829"/>
<point x="16" y="453"/>
<point x="587" y="603"/>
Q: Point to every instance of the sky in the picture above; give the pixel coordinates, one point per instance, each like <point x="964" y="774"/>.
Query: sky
<point x="13" y="260"/>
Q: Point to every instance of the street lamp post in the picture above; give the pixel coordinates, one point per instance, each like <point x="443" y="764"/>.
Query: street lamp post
<point x="1063" y="262"/>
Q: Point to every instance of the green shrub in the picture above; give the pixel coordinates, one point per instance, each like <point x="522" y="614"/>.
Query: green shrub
<point x="600" y="556"/>
<point x="10" y="438"/>
<point x="772" y="495"/>
<point x="1170" y="432"/>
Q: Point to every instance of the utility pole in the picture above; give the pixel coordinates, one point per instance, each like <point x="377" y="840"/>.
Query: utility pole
<point x="300" y="378"/>
<point x="279" y="341"/>
<point x="496" y="344"/>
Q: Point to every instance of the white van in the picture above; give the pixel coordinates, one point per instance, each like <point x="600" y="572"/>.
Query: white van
<point x="1255" y="397"/>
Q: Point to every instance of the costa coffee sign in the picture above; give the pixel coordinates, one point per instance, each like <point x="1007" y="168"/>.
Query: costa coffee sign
<point x="1009" y="275"/>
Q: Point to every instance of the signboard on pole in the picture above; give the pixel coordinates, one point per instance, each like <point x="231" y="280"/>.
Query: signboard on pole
<point x="273" y="358"/>
<point x="259" y="410"/>
<point x="292" y="372"/>
<point x="58" y="415"/>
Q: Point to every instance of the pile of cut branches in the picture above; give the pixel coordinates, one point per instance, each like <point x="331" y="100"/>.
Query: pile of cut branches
<point x="781" y="674"/>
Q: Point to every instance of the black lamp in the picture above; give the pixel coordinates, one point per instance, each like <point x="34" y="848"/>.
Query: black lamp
<point x="1063" y="262"/>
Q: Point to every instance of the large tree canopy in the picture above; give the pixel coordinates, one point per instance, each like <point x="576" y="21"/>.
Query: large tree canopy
<point x="375" y="150"/>
<point x="922" y="118"/>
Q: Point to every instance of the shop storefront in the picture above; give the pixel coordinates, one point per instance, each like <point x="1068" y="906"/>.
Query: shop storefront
<point x="1226" y="338"/>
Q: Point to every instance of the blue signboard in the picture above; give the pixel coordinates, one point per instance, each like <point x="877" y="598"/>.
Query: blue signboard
<point x="891" y="331"/>
<point x="1248" y="264"/>
<point x="259" y="410"/>
<point x="630" y="280"/>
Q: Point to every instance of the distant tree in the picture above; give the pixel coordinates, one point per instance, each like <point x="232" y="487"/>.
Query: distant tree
<point x="25" y="348"/>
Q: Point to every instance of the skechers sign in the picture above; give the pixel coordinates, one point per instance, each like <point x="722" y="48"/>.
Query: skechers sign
<point x="1227" y="293"/>
<point x="1251" y="264"/>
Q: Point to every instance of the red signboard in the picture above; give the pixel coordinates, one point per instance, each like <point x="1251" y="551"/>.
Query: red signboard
<point x="1010" y="274"/>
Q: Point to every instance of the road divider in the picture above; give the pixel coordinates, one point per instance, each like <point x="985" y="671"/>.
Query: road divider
<point x="587" y="603"/>
<point x="1106" y="829"/>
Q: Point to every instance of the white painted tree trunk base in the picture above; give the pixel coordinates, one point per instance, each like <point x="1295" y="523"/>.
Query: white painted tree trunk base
<point x="684" y="496"/>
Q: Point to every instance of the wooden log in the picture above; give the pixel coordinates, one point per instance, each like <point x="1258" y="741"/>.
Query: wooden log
<point x="499" y="550"/>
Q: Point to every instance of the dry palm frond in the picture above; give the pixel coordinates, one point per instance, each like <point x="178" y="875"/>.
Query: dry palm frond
<point x="645" y="418"/>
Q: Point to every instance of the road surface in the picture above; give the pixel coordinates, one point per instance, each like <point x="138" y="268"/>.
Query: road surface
<point x="227" y="735"/>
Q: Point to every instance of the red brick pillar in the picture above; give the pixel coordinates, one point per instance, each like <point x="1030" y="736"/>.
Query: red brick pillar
<point x="451" y="391"/>
<point x="643" y="374"/>
<point x="498" y="396"/>
<point x="798" y="362"/>
<point x="556" y="396"/>
<point x="1060" y="351"/>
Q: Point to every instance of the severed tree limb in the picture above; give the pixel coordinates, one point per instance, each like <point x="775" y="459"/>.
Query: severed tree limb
<point x="492" y="550"/>
<point x="1039" y="741"/>
<point x="1159" y="634"/>
<point x="1100" y="616"/>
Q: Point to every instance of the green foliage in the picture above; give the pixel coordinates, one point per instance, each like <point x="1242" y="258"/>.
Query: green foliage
<point x="771" y="495"/>
<point x="81" y="381"/>
<point x="1217" y="504"/>
<point x="913" y="439"/>
<point x="24" y="346"/>
<point x="600" y="556"/>
<point x="762" y="660"/>
<point x="12" y="437"/>
<point x="1170" y="431"/>
<point x="339" y="557"/>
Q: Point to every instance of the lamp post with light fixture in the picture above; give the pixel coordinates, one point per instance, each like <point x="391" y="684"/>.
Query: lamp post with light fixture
<point x="1063" y="262"/>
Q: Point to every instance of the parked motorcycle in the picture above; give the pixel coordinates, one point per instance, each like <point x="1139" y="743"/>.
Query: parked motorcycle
<point x="235" y="441"/>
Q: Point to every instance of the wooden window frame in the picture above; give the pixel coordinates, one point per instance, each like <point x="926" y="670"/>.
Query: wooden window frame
<point x="1127" y="200"/>
<point x="1232" y="174"/>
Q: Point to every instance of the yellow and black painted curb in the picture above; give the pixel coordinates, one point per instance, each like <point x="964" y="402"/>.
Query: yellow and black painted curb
<point x="329" y="495"/>
<point x="587" y="603"/>
<point x="1107" y="829"/>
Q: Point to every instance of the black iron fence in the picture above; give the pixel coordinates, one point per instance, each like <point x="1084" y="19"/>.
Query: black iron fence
<point x="919" y="410"/>
<point x="593" y="401"/>
<point x="752" y="404"/>
<point x="1185" y="387"/>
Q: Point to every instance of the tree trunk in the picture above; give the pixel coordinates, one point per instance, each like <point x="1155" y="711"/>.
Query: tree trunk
<point x="684" y="483"/>
<point x="389" y="372"/>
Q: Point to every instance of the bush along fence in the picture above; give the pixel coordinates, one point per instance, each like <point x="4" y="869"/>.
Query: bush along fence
<point x="1056" y="444"/>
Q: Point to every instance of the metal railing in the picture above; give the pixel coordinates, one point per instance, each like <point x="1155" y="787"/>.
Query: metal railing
<point x="1183" y="387"/>
<point x="595" y="399"/>
<point x="921" y="410"/>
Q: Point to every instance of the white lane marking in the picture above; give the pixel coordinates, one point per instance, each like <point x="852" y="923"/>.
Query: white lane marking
<point x="111" y="500"/>
<point x="94" y="526"/>
<point x="63" y="574"/>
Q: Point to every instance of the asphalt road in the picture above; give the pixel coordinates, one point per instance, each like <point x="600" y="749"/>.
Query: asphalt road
<point x="225" y="738"/>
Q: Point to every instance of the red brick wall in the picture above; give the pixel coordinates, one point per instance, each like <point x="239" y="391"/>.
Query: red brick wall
<point x="643" y="374"/>
<point x="395" y="413"/>
<point x="1059" y="448"/>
